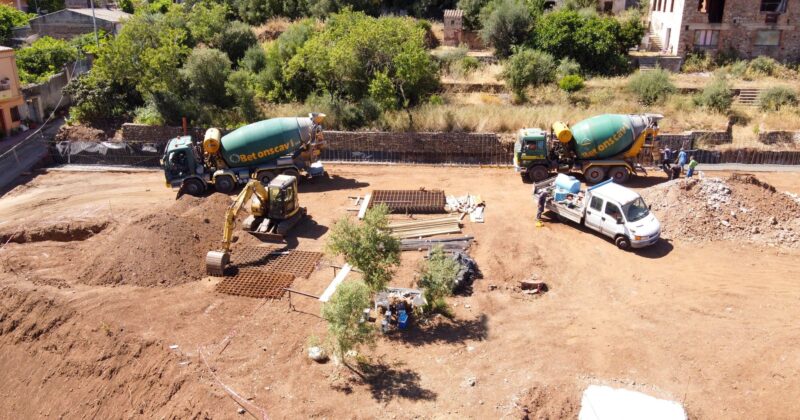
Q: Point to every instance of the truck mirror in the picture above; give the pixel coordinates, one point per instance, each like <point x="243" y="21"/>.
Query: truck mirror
<point x="619" y="220"/>
<point x="649" y="207"/>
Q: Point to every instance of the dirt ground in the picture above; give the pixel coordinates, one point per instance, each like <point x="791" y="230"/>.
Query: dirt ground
<point x="86" y="331"/>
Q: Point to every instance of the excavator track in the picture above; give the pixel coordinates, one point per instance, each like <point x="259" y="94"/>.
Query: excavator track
<point x="285" y="226"/>
<point x="216" y="261"/>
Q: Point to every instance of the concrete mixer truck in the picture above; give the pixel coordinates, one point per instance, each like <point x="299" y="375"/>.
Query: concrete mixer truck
<point x="602" y="147"/>
<point x="261" y="150"/>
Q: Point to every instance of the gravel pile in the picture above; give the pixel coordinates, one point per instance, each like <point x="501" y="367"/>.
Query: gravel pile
<point x="739" y="208"/>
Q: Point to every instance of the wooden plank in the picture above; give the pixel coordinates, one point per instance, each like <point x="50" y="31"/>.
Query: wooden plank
<point x="364" y="205"/>
<point x="340" y="276"/>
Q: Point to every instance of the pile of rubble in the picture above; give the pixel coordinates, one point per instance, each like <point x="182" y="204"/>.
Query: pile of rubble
<point x="739" y="207"/>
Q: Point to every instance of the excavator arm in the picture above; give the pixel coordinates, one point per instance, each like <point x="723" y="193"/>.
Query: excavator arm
<point x="217" y="260"/>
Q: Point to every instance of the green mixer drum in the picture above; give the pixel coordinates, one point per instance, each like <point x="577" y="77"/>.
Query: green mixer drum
<point x="264" y="141"/>
<point x="603" y="136"/>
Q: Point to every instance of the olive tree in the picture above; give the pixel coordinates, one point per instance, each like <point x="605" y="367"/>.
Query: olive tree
<point x="367" y="246"/>
<point x="437" y="279"/>
<point x="344" y="314"/>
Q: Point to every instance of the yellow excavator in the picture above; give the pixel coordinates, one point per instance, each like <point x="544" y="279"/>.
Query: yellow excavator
<point x="275" y="210"/>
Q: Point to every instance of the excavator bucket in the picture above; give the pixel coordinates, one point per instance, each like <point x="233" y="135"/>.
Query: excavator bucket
<point x="216" y="261"/>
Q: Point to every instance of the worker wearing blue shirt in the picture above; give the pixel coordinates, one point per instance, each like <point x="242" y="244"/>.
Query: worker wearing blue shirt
<point x="682" y="158"/>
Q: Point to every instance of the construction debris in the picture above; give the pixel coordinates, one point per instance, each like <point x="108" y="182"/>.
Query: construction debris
<point x="739" y="207"/>
<point x="533" y="287"/>
<point x="395" y="305"/>
<point x="422" y="228"/>
<point x="409" y="201"/>
<point x="458" y="243"/>
<point x="467" y="273"/>
<point x="467" y="204"/>
<point x="317" y="354"/>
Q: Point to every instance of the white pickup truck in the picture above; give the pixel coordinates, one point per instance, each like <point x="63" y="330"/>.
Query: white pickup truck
<point x="608" y="208"/>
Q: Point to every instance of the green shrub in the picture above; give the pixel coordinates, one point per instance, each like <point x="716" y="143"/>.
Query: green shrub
<point x="126" y="6"/>
<point x="254" y="59"/>
<point x="716" y="96"/>
<point x="651" y="86"/>
<point x="599" y="43"/>
<point x="567" y="67"/>
<point x="436" y="100"/>
<point x="240" y="87"/>
<point x="437" y="279"/>
<point x="148" y="115"/>
<point x="44" y="58"/>
<point x="95" y="98"/>
<point x="509" y="23"/>
<point x="698" y="61"/>
<point x="344" y="312"/>
<point x="737" y="69"/>
<point x="775" y="98"/>
<point x="206" y="22"/>
<point x="468" y="65"/>
<point x="367" y="246"/>
<point x="10" y="17"/>
<point x="571" y="83"/>
<point x="528" y="68"/>
<point x="206" y="70"/>
<point x="236" y="39"/>
<point x="762" y="66"/>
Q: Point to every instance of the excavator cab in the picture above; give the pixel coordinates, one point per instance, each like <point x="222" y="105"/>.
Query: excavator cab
<point x="283" y="200"/>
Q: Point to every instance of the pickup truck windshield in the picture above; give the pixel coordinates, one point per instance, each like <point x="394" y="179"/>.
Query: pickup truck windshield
<point x="636" y="210"/>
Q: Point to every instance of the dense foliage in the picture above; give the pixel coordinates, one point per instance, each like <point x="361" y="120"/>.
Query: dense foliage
<point x="651" y="86"/>
<point x="716" y="96"/>
<point x="367" y="246"/>
<point x="598" y="44"/>
<point x="528" y="68"/>
<point x="10" y="17"/>
<point x="344" y="314"/>
<point x="437" y="278"/>
<point x="44" y="58"/>
<point x="506" y="23"/>
<point x="777" y="97"/>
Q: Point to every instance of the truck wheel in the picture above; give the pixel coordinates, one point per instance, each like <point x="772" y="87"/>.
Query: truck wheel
<point x="265" y="177"/>
<point x="622" y="243"/>
<point x="292" y="172"/>
<point x="538" y="173"/>
<point x="224" y="184"/>
<point x="193" y="186"/>
<point x="619" y="174"/>
<point x="594" y="174"/>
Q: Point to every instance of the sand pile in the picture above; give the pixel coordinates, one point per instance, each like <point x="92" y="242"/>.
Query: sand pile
<point x="740" y="208"/>
<point x="165" y="248"/>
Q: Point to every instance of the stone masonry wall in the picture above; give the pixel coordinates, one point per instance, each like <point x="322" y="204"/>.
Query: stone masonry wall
<point x="741" y="21"/>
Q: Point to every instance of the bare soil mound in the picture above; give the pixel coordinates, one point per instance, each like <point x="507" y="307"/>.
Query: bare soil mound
<point x="75" y="230"/>
<point x="739" y="208"/>
<point x="75" y="370"/>
<point x="164" y="248"/>
<point x="550" y="401"/>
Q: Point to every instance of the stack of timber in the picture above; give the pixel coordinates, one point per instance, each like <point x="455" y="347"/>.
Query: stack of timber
<point x="457" y="243"/>
<point x="422" y="228"/>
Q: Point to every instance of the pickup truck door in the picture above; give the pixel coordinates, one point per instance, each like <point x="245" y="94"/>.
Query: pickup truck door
<point x="610" y="227"/>
<point x="594" y="213"/>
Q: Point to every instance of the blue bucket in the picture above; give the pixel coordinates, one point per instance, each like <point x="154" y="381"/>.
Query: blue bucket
<point x="402" y="320"/>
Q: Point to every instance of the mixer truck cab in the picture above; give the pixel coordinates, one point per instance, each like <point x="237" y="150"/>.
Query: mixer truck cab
<point x="608" y="208"/>
<point x="261" y="150"/>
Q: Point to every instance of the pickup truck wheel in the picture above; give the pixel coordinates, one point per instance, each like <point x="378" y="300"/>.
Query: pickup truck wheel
<point x="623" y="243"/>
<point x="264" y="177"/>
<point x="594" y="174"/>
<point x="538" y="173"/>
<point x="193" y="186"/>
<point x="224" y="184"/>
<point x="619" y="174"/>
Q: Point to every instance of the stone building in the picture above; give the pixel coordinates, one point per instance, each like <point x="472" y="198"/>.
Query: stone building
<point x="453" y="27"/>
<point x="750" y="27"/>
<point x="10" y="92"/>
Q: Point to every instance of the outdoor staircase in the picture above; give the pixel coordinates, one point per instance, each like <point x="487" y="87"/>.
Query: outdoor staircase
<point x="655" y="42"/>
<point x="748" y="97"/>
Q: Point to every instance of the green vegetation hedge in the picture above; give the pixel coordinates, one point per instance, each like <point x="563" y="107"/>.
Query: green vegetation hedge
<point x="775" y="98"/>
<point x="571" y="83"/>
<point x="651" y="87"/>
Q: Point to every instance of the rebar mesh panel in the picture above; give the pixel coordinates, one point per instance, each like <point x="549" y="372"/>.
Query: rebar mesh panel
<point x="266" y="258"/>
<point x="256" y="283"/>
<point x="410" y="201"/>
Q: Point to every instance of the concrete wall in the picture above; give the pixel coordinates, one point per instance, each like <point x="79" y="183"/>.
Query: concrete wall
<point x="43" y="98"/>
<point x="666" y="17"/>
<point x="63" y="24"/>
